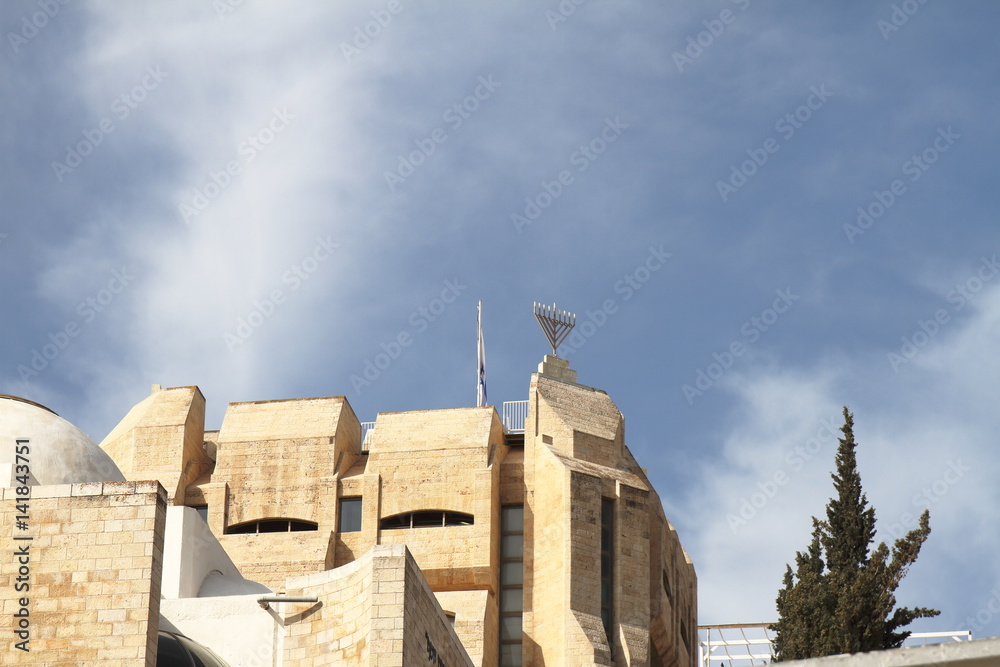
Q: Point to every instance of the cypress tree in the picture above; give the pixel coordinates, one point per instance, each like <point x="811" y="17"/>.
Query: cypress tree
<point x="840" y="598"/>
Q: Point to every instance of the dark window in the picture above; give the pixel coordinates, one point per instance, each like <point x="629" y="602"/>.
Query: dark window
<point x="426" y="519"/>
<point x="458" y="519"/>
<point x="666" y="586"/>
<point x="607" y="562"/>
<point x="242" y="528"/>
<point x="394" y="522"/>
<point x="173" y="650"/>
<point x="511" y="584"/>
<point x="270" y="526"/>
<point x="510" y="654"/>
<point x="350" y="515"/>
<point x="170" y="653"/>
<point x="201" y="655"/>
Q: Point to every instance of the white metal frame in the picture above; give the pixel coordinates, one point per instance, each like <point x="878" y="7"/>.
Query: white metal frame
<point x="514" y="415"/>
<point x="754" y="650"/>
<point x="366" y="432"/>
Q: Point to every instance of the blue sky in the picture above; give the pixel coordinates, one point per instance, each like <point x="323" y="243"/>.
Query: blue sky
<point x="788" y="207"/>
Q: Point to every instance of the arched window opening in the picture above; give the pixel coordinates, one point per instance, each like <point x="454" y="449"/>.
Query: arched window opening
<point x="271" y="526"/>
<point x="426" y="519"/>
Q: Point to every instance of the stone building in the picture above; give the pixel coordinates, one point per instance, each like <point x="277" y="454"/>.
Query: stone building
<point x="295" y="535"/>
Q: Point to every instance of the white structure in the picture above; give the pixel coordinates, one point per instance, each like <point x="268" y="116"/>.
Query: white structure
<point x="70" y="458"/>
<point x="748" y="644"/>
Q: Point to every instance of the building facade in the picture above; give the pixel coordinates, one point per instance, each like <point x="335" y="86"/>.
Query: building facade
<point x="287" y="538"/>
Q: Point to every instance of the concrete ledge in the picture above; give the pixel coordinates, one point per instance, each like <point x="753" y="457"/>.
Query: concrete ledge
<point x="53" y="491"/>
<point x="88" y="489"/>
<point x="118" y="487"/>
<point x="977" y="653"/>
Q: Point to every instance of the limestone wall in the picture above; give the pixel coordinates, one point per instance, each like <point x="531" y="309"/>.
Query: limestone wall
<point x="162" y="438"/>
<point x="274" y="455"/>
<point x="280" y="459"/>
<point x="476" y="623"/>
<point x="574" y="457"/>
<point x="546" y="560"/>
<point x="269" y="558"/>
<point x="94" y="573"/>
<point x="376" y="611"/>
<point x="440" y="460"/>
<point x="428" y="638"/>
<point x="297" y="458"/>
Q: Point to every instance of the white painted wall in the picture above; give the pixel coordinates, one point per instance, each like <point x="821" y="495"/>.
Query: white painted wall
<point x="190" y="553"/>
<point x="234" y="626"/>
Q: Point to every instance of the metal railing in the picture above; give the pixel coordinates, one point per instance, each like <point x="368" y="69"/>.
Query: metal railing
<point x="514" y="415"/>
<point x="732" y="643"/>
<point x="752" y="643"/>
<point x="956" y="636"/>
<point x="366" y="431"/>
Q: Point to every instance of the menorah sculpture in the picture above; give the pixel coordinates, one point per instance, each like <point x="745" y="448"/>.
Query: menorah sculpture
<point x="556" y="324"/>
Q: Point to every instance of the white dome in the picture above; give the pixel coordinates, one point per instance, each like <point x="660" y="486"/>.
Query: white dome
<point x="59" y="453"/>
<point x="217" y="584"/>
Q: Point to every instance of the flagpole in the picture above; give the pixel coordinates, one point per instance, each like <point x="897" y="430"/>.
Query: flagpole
<point x="481" y="357"/>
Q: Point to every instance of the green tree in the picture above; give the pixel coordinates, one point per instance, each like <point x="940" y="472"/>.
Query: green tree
<point x="840" y="599"/>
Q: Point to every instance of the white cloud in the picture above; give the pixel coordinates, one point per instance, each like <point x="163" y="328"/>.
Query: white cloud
<point x="323" y="175"/>
<point x="197" y="278"/>
<point x="926" y="439"/>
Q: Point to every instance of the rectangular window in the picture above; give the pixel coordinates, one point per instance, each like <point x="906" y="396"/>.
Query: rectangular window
<point x="202" y="512"/>
<point x="350" y="515"/>
<point x="511" y="584"/>
<point x="607" y="562"/>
